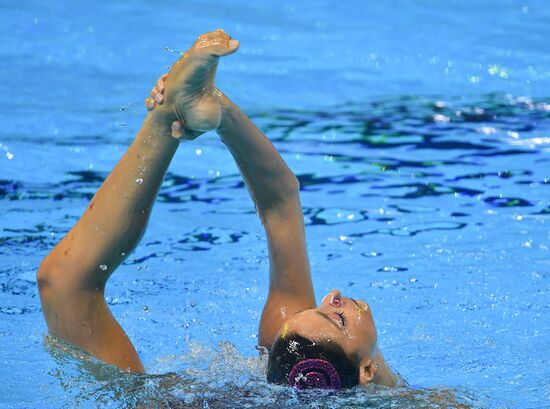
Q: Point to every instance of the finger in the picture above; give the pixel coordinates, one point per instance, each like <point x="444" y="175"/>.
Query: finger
<point x="178" y="131"/>
<point x="161" y="83"/>
<point x="157" y="96"/>
<point x="150" y="104"/>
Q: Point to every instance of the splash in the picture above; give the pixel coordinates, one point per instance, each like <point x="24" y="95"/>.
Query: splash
<point x="221" y="377"/>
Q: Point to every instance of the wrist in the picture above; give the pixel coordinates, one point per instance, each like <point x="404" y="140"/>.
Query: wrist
<point x="157" y="130"/>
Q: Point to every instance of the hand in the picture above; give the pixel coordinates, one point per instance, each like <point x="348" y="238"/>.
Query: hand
<point x="156" y="96"/>
<point x="187" y="92"/>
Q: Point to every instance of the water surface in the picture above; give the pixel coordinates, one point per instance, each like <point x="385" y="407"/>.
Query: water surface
<point x="420" y="134"/>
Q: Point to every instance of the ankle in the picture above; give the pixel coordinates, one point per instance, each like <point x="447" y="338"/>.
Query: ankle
<point x="228" y="111"/>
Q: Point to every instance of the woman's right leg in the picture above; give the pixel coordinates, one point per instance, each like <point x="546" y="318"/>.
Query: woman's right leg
<point x="73" y="275"/>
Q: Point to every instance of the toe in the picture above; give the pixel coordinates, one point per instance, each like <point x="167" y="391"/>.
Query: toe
<point x="225" y="46"/>
<point x="218" y="43"/>
<point x="150" y="104"/>
<point x="230" y="47"/>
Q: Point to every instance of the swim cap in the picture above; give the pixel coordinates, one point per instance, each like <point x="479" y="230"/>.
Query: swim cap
<point x="314" y="373"/>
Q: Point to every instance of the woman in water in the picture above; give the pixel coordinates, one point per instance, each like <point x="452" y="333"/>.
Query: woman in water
<point x="333" y="345"/>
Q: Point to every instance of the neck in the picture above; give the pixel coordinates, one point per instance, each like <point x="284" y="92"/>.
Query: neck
<point x="384" y="375"/>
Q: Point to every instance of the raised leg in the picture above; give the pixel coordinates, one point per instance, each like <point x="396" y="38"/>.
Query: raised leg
<point x="72" y="277"/>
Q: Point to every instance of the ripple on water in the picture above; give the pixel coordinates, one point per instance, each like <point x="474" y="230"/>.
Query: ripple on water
<point x="402" y="167"/>
<point x="220" y="377"/>
<point x="507" y="201"/>
<point x="413" y="229"/>
<point x="330" y="216"/>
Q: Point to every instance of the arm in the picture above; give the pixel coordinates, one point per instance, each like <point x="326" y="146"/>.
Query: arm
<point x="72" y="277"/>
<point x="275" y="191"/>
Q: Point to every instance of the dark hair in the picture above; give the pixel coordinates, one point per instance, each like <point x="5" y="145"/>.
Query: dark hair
<point x="294" y="354"/>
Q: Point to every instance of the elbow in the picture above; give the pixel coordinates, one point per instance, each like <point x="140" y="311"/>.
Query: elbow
<point x="289" y="191"/>
<point x="295" y="184"/>
<point x="291" y="184"/>
<point x="286" y="196"/>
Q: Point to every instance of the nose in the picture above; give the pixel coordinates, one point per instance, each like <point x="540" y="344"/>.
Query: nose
<point x="335" y="298"/>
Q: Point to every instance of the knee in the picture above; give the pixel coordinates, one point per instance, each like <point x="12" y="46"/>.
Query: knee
<point x="295" y="184"/>
<point x="290" y="188"/>
<point x="45" y="275"/>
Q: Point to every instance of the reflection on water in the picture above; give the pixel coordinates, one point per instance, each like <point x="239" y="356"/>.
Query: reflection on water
<point x="418" y="204"/>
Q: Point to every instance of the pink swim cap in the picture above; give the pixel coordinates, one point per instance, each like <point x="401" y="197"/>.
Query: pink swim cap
<point x="314" y="373"/>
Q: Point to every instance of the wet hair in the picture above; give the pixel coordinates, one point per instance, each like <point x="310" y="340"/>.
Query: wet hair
<point x="297" y="361"/>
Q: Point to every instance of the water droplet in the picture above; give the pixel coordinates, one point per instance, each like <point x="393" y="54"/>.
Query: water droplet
<point x="145" y="308"/>
<point x="441" y="118"/>
<point x="198" y="152"/>
<point x="9" y="155"/>
<point x="371" y="254"/>
<point x="103" y="267"/>
<point x="139" y="181"/>
<point x="392" y="268"/>
<point x="487" y="130"/>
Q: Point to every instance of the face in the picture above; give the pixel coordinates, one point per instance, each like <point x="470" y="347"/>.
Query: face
<point x="339" y="319"/>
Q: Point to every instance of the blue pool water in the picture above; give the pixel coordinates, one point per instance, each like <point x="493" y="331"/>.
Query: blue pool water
<point x="420" y="132"/>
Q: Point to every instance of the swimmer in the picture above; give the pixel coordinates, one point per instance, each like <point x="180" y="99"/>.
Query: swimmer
<point x="333" y="345"/>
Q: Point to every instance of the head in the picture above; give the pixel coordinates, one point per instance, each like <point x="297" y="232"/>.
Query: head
<point x="338" y="336"/>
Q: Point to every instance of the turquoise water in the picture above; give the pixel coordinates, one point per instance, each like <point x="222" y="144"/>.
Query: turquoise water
<point x="420" y="132"/>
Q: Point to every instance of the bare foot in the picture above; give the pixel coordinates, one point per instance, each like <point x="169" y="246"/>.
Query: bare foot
<point x="189" y="90"/>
